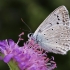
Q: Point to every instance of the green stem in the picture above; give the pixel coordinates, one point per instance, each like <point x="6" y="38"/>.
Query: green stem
<point x="13" y="65"/>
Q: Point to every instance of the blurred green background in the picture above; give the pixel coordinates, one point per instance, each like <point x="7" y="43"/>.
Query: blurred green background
<point x="33" y="12"/>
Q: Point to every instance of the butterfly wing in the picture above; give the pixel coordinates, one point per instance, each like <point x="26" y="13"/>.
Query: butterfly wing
<point x="53" y="34"/>
<point x="56" y="40"/>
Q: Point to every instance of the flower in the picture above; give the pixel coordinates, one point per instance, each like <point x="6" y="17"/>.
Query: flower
<point x="27" y="57"/>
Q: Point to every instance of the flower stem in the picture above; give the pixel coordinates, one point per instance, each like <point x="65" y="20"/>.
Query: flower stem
<point x="13" y="65"/>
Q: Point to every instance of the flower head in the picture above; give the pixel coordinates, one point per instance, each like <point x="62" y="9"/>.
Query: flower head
<point x="27" y="57"/>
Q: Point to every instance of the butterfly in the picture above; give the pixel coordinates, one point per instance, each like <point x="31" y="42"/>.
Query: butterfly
<point x="53" y="34"/>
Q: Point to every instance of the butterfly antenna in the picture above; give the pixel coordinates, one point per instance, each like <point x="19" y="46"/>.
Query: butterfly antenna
<point x="27" y="26"/>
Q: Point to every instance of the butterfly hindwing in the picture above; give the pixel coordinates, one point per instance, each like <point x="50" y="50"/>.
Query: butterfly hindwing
<point x="55" y="39"/>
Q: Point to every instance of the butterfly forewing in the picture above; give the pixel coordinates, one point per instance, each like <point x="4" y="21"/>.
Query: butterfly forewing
<point x="58" y="16"/>
<point x="53" y="34"/>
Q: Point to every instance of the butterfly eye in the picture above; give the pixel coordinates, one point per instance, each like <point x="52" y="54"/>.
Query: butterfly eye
<point x="30" y="35"/>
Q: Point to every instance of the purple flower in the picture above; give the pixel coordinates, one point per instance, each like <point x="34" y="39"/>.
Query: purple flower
<point x="27" y="57"/>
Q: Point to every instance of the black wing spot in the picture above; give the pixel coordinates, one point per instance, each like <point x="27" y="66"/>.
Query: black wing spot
<point x="56" y="42"/>
<point x="46" y="39"/>
<point x="50" y="23"/>
<point x="58" y="17"/>
<point x="44" y="34"/>
<point x="57" y="23"/>
<point x="52" y="29"/>
<point x="61" y="33"/>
